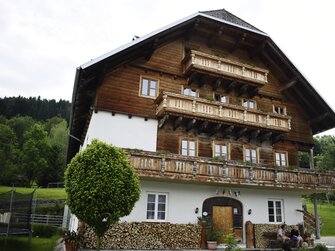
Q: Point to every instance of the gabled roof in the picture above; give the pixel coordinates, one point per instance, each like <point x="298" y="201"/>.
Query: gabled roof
<point x="89" y="75"/>
<point x="229" y="17"/>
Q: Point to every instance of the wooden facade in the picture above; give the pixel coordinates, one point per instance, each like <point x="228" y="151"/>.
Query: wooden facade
<point x="211" y="60"/>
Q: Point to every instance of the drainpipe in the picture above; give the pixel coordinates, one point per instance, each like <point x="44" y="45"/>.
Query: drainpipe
<point x="315" y="200"/>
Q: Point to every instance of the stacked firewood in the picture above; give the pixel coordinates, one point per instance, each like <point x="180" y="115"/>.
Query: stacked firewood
<point x="145" y="235"/>
<point x="262" y="231"/>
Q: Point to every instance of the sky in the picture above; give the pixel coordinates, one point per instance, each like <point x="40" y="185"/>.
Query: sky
<point x="42" y="42"/>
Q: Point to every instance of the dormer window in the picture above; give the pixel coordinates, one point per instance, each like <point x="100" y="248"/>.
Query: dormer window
<point x="249" y="103"/>
<point x="189" y="92"/>
<point x="279" y="109"/>
<point x="220" y="98"/>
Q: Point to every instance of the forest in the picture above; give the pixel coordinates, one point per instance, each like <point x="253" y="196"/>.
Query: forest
<point x="33" y="140"/>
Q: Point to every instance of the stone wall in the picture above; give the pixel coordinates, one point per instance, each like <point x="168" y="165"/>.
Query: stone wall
<point x="261" y="241"/>
<point x="147" y="235"/>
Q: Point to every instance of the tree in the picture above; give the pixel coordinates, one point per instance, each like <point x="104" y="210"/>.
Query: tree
<point x="102" y="186"/>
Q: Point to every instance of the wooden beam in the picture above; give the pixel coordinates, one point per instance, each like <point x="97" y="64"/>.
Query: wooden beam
<point x="218" y="84"/>
<point x="238" y="42"/>
<point x="163" y="120"/>
<point x="151" y="50"/>
<point x="254" y="92"/>
<point x="227" y="130"/>
<point x="258" y="49"/>
<point x="191" y="30"/>
<point x="212" y="40"/>
<point x="254" y="134"/>
<point x="241" y="132"/>
<point x="318" y="118"/>
<point x="229" y="87"/>
<point x="242" y="90"/>
<point x="266" y="136"/>
<point x="288" y="85"/>
<point x="277" y="138"/>
<point x="202" y="126"/>
<point x="192" y="78"/>
<point x="203" y="80"/>
<point x="307" y="102"/>
<point x="216" y="128"/>
<point x="273" y="64"/>
<point x="190" y="124"/>
<point x="177" y="123"/>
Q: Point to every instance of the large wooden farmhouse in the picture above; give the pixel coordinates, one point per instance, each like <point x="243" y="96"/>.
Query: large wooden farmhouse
<point x="213" y="116"/>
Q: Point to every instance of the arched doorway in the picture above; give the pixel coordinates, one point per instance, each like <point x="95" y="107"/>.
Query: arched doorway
<point x="225" y="214"/>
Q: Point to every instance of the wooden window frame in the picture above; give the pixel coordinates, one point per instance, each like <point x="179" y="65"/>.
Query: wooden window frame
<point x="245" y="148"/>
<point x="282" y="109"/>
<point x="181" y="145"/>
<point x="249" y="100"/>
<point x="157" y="194"/>
<point x="221" y="95"/>
<point x="275" y="216"/>
<point x="187" y="87"/>
<point x="148" y="92"/>
<point x="220" y="143"/>
<point x="280" y="155"/>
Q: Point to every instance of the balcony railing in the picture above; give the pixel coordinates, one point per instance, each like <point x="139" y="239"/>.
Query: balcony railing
<point x="222" y="66"/>
<point x="222" y="112"/>
<point x="204" y="170"/>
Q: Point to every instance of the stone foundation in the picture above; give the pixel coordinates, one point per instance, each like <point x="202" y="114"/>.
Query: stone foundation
<point x="147" y="235"/>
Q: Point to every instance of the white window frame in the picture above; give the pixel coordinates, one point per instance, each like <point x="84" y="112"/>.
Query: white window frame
<point x="220" y="95"/>
<point x="220" y="144"/>
<point x="279" y="109"/>
<point x="251" y="150"/>
<point x="248" y="103"/>
<point x="188" y="141"/>
<point x="156" y="194"/>
<point x="147" y="94"/>
<point x="279" y="158"/>
<point x="275" y="216"/>
<point x="195" y="91"/>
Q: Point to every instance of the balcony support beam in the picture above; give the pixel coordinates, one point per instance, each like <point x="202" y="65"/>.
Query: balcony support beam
<point x="254" y="135"/>
<point x="227" y="130"/>
<point x="177" y="123"/>
<point x="202" y="126"/>
<point x="266" y="136"/>
<point x="229" y="87"/>
<point x="162" y="121"/>
<point x="238" y="42"/>
<point x="254" y="92"/>
<point x="212" y="40"/>
<point x="242" y="90"/>
<point x="241" y="132"/>
<point x="190" y="124"/>
<point x="277" y="138"/>
<point x="218" y="84"/>
<point x="216" y="128"/>
<point x="192" y="78"/>
<point x="192" y="30"/>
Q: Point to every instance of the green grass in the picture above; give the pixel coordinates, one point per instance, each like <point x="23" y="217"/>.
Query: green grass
<point x="42" y="193"/>
<point x="22" y="244"/>
<point x="326" y="214"/>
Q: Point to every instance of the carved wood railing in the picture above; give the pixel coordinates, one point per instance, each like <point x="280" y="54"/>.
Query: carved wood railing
<point x="196" y="60"/>
<point x="198" y="107"/>
<point x="176" y="167"/>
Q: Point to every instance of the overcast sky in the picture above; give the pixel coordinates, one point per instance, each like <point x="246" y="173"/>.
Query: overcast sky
<point x="43" y="41"/>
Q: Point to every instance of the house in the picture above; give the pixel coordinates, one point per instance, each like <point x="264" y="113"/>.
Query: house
<point x="213" y="116"/>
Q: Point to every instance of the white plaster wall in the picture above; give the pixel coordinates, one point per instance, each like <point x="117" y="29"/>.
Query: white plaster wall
<point x="122" y="131"/>
<point x="184" y="198"/>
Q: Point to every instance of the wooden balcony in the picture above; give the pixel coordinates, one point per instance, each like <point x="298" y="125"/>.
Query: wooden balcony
<point x="172" y="103"/>
<point x="219" y="66"/>
<point x="150" y="165"/>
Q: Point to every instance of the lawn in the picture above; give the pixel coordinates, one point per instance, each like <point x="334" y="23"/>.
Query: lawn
<point x="326" y="214"/>
<point x="42" y="193"/>
<point x="22" y="244"/>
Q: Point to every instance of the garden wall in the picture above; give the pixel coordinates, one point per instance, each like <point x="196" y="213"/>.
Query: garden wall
<point x="148" y="235"/>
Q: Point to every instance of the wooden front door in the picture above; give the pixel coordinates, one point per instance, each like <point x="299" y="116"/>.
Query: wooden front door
<point x="223" y="219"/>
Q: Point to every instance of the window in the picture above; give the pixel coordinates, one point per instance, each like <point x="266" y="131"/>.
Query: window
<point x="188" y="147"/>
<point x="149" y="87"/>
<point x="220" y="151"/>
<point x="220" y="98"/>
<point x="249" y="103"/>
<point x="250" y="155"/>
<point x="275" y="211"/>
<point x="189" y="92"/>
<point x="279" y="109"/>
<point x="281" y="158"/>
<point x="156" y="206"/>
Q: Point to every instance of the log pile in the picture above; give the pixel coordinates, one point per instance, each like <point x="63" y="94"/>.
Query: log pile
<point x="147" y="235"/>
<point x="263" y="230"/>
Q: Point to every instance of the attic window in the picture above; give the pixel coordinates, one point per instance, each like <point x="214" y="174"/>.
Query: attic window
<point x="148" y="87"/>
